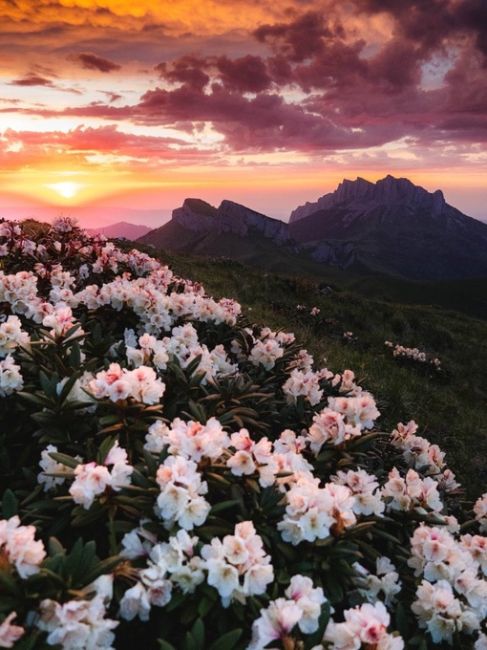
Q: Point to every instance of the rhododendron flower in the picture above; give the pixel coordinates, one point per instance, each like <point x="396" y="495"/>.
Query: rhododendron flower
<point x="9" y="632"/>
<point x="384" y="582"/>
<point x="19" y="546"/>
<point x="364" y="626"/>
<point x="49" y="466"/>
<point x="441" y="613"/>
<point x="238" y="565"/>
<point x="181" y="498"/>
<point x="411" y="492"/>
<point x="91" y="479"/>
<point x="365" y="489"/>
<point x="195" y="440"/>
<point x="316" y="513"/>
<point x="77" y="624"/>
<point x="480" y="510"/>
<point x="10" y="378"/>
<point x="275" y="622"/>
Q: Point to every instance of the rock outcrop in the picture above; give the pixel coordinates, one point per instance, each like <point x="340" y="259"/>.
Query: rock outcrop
<point x="391" y="227"/>
<point x="361" y="195"/>
<point x="229" y="217"/>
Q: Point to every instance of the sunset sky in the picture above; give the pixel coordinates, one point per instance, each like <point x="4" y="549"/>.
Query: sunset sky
<point x="122" y="108"/>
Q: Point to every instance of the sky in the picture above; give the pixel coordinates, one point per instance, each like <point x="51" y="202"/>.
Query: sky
<point x="119" y="109"/>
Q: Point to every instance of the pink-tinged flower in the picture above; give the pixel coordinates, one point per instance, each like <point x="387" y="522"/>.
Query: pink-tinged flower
<point x="275" y="622"/>
<point x="90" y="481"/>
<point x="21" y="548"/>
<point x="10" y="633"/>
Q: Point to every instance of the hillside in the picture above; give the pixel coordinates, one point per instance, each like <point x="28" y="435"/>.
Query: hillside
<point x="392" y="228"/>
<point x="121" y="230"/>
<point x="179" y="471"/>
<point x="450" y="407"/>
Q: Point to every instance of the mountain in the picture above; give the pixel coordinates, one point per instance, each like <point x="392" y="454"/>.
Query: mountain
<point x="391" y="227"/>
<point x="121" y="230"/>
<point x="231" y="230"/>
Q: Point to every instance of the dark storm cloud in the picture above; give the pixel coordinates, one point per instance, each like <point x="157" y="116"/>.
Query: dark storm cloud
<point x="94" y="62"/>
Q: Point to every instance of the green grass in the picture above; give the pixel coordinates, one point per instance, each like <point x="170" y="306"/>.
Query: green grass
<point x="450" y="409"/>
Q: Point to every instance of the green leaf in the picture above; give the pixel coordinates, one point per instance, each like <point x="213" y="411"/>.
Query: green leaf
<point x="55" y="547"/>
<point x="227" y="641"/>
<point x="198" y="633"/>
<point x="165" y="645"/>
<point x="224" y="505"/>
<point x="64" y="459"/>
<point x="10" y="504"/>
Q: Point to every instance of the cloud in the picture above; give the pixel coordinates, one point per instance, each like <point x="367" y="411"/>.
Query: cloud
<point x="311" y="76"/>
<point x="245" y="74"/>
<point x="32" y="80"/>
<point x="188" y="70"/>
<point x="93" y="62"/>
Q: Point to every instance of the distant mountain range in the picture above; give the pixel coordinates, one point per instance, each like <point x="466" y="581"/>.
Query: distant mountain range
<point x="392" y="227"/>
<point x="121" y="230"/>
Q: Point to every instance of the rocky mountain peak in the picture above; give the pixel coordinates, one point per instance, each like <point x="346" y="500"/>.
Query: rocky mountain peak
<point x="388" y="191"/>
<point x="230" y="217"/>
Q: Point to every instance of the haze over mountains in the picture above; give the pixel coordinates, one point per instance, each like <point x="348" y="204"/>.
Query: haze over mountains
<point x="121" y="230"/>
<point x="392" y="227"/>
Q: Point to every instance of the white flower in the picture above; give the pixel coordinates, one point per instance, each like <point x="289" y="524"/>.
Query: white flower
<point x="316" y="513"/>
<point x="10" y="377"/>
<point x="309" y="599"/>
<point x="135" y="602"/>
<point x="275" y="622"/>
<point x="238" y="566"/>
<point x="91" y="479"/>
<point x="77" y="624"/>
<point x="50" y="466"/>
<point x="441" y="613"/>
<point x="20" y="547"/>
<point x="180" y="499"/>
<point x="10" y="633"/>
<point x="363" y="626"/>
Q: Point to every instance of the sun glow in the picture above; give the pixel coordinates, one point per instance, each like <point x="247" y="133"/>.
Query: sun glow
<point x="66" y="189"/>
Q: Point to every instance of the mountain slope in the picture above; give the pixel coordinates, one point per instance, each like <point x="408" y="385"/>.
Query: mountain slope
<point x="394" y="227"/>
<point x="231" y="231"/>
<point x="121" y="230"/>
<point x="450" y="409"/>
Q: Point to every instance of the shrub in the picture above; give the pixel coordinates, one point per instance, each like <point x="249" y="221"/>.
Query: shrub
<point x="176" y="477"/>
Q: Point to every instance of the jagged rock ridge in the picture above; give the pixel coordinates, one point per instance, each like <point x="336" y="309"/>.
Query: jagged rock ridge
<point x="362" y="194"/>
<point x="391" y="227"/>
<point x="198" y="216"/>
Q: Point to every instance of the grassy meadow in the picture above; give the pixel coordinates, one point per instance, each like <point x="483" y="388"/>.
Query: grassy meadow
<point x="450" y="407"/>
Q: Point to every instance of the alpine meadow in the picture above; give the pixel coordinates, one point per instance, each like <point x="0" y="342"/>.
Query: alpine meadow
<point x="243" y="325"/>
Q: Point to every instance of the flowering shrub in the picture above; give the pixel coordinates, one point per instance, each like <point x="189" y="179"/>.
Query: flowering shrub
<point x="414" y="355"/>
<point x="176" y="477"/>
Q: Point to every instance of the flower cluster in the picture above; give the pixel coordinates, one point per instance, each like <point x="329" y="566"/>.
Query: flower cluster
<point x="175" y="475"/>
<point x="238" y="565"/>
<point x="301" y="607"/>
<point x="181" y="497"/>
<point x="12" y="336"/>
<point x="453" y="594"/>
<point x="364" y="627"/>
<point x="314" y="513"/>
<point x="19" y="547"/>
<point x="411" y="491"/>
<point x="11" y="379"/>
<point x="118" y="384"/>
<point x="413" y="354"/>
<point x="171" y="564"/>
<point x="77" y="624"/>
<point x="91" y="479"/>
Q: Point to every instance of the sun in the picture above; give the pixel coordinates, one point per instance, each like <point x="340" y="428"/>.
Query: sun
<point x="66" y="189"/>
